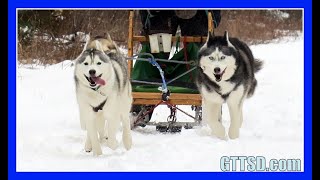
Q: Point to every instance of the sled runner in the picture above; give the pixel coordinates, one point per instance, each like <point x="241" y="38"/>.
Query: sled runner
<point x="159" y="80"/>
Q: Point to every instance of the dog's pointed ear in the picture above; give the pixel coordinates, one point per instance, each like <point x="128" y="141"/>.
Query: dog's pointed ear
<point x="114" y="43"/>
<point x="211" y="34"/>
<point x="209" y="38"/>
<point x="226" y="38"/>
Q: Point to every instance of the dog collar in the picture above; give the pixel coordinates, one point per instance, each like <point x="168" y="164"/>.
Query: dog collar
<point x="96" y="89"/>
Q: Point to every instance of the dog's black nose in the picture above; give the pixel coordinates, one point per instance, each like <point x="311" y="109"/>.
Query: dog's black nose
<point x="92" y="72"/>
<point x="216" y="70"/>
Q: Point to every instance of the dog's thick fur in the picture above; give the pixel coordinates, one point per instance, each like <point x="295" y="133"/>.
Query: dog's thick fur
<point x="225" y="74"/>
<point x="103" y="93"/>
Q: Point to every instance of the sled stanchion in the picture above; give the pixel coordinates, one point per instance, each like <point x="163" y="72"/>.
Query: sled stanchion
<point x="130" y="42"/>
<point x="210" y="22"/>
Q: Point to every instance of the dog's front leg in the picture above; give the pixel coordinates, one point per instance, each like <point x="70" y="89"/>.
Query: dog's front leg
<point x="235" y="116"/>
<point x="113" y="122"/>
<point x="235" y="102"/>
<point x="83" y="118"/>
<point x="241" y="114"/>
<point x="92" y="134"/>
<point x="88" y="145"/>
<point x="126" y="133"/>
<point x="100" y="125"/>
<point x="212" y="114"/>
<point x="82" y="106"/>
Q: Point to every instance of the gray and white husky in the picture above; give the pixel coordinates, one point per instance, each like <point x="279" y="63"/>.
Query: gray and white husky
<point x="103" y="93"/>
<point x="225" y="74"/>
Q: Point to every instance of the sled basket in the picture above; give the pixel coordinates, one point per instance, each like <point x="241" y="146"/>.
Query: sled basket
<point x="156" y="80"/>
<point x="183" y="90"/>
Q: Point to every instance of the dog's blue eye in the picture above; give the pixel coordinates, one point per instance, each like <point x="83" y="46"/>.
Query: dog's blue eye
<point x="211" y="58"/>
<point x="86" y="63"/>
<point x="99" y="63"/>
<point x="222" y="57"/>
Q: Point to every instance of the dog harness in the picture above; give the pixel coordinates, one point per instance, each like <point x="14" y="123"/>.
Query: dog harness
<point x="100" y="106"/>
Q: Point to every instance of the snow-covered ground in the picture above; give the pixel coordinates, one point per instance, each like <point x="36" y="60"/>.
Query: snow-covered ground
<point x="49" y="137"/>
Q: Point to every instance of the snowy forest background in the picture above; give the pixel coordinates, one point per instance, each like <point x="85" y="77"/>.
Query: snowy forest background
<point x="51" y="36"/>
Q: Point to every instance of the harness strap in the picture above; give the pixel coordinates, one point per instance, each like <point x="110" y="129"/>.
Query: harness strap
<point x="224" y="96"/>
<point x="100" y="106"/>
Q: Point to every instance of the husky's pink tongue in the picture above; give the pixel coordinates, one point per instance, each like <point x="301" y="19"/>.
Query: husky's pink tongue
<point x="98" y="80"/>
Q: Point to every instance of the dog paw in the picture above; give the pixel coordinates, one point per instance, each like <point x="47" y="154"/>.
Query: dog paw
<point x="234" y="133"/>
<point x="112" y="144"/>
<point x="88" y="147"/>
<point x="219" y="132"/>
<point x="97" y="152"/>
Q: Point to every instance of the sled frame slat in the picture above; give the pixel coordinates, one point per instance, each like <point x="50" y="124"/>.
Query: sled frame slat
<point x="175" y="98"/>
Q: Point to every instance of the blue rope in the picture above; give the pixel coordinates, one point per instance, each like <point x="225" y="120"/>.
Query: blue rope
<point x="152" y="60"/>
<point x="163" y="88"/>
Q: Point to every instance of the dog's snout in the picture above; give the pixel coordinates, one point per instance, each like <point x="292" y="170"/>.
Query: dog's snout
<point x="216" y="70"/>
<point x="92" y="72"/>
